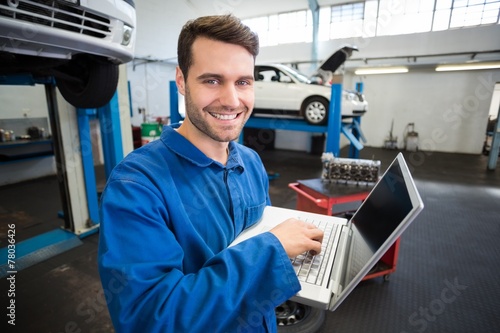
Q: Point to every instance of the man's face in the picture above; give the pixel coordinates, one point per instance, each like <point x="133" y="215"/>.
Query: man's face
<point x="219" y="89"/>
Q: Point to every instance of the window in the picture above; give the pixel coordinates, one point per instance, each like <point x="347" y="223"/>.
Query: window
<point x="349" y="12"/>
<point x="260" y="25"/>
<point x="463" y="13"/>
<point x="404" y="17"/>
<point x="292" y="27"/>
<point x="347" y="20"/>
<point x="473" y="12"/>
<point x="372" y="18"/>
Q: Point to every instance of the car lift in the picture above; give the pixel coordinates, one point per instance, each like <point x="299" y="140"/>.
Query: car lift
<point x="75" y="172"/>
<point x="333" y="129"/>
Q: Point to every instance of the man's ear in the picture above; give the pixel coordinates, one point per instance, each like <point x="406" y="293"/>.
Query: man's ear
<point x="179" y="80"/>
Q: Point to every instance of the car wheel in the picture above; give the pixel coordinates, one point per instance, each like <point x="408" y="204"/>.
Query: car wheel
<point x="298" y="318"/>
<point x="315" y="110"/>
<point x="87" y="82"/>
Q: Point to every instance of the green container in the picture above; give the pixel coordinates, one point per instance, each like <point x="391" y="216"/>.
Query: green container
<point x="150" y="129"/>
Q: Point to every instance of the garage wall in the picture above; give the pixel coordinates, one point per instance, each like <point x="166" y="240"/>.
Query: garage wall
<point x="149" y="87"/>
<point x="449" y="110"/>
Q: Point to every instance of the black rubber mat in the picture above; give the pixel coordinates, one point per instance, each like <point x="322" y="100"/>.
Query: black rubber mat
<point x="446" y="279"/>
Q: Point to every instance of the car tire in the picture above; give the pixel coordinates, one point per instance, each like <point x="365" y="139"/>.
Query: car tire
<point x="88" y="82"/>
<point x="315" y="110"/>
<point x="293" y="317"/>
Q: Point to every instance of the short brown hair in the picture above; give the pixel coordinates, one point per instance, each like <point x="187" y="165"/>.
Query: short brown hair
<point x="223" y="28"/>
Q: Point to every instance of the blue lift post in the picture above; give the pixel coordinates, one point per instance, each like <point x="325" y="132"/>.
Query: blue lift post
<point x="112" y="146"/>
<point x="111" y="134"/>
<point x="334" y="121"/>
<point x="175" y="117"/>
<point x="353" y="130"/>
<point x="109" y="120"/>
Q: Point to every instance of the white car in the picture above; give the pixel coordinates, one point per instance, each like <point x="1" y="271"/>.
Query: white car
<point x="78" y="42"/>
<point x="281" y="91"/>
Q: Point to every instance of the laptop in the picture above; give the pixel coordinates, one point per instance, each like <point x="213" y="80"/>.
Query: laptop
<point x="354" y="246"/>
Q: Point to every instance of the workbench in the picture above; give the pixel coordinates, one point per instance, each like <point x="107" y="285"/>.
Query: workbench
<point x="332" y="198"/>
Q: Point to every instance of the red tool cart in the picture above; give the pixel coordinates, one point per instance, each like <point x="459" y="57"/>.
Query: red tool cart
<point x="329" y="198"/>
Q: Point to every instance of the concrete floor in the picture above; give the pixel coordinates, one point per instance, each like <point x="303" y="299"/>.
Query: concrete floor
<point x="454" y="239"/>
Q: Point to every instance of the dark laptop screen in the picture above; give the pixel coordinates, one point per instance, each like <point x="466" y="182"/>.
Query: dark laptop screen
<point x="384" y="209"/>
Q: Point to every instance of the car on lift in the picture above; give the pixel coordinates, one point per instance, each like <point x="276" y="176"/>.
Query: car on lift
<point x="281" y="91"/>
<point x="80" y="43"/>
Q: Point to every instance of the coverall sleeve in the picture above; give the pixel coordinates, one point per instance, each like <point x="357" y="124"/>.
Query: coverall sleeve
<point x="141" y="268"/>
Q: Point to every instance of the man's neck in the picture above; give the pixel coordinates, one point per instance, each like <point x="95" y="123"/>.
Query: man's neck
<point x="218" y="151"/>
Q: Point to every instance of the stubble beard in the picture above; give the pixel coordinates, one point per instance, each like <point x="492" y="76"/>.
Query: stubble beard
<point x="224" y="134"/>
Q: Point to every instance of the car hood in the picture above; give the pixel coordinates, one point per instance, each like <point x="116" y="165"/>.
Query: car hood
<point x="338" y="58"/>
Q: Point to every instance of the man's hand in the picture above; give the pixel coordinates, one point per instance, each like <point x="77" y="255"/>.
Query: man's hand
<point x="298" y="236"/>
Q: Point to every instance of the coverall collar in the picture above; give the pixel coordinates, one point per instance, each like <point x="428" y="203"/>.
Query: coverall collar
<point x="182" y="147"/>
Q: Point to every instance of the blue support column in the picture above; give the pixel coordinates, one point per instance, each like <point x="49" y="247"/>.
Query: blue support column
<point x="109" y="118"/>
<point x="334" y="121"/>
<point x="356" y="134"/>
<point x="356" y="145"/>
<point x="130" y="99"/>
<point x="83" y="116"/>
<point x="359" y="87"/>
<point x="175" y="117"/>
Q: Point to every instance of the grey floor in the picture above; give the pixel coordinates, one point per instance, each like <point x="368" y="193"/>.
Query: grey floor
<point x="446" y="278"/>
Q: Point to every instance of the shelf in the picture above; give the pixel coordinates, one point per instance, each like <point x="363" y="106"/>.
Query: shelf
<point x="23" y="150"/>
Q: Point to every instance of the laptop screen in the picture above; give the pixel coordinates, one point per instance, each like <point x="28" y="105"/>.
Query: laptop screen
<point x="385" y="208"/>
<point x="379" y="220"/>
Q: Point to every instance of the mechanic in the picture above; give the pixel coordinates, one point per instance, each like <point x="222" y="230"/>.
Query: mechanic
<point x="171" y="208"/>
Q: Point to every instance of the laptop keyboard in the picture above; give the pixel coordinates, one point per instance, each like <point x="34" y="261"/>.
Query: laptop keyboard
<point x="311" y="268"/>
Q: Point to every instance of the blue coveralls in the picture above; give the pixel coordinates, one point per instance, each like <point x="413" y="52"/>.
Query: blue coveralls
<point x="168" y="213"/>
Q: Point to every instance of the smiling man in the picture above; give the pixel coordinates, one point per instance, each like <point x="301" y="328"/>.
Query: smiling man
<point x="171" y="208"/>
<point x="218" y="93"/>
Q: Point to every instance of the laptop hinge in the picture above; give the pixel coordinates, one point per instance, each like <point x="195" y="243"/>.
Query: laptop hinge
<point x="336" y="288"/>
<point x="335" y="296"/>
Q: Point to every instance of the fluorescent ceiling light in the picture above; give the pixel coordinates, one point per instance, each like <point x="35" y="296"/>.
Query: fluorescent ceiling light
<point x="381" y="70"/>
<point x="468" y="67"/>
